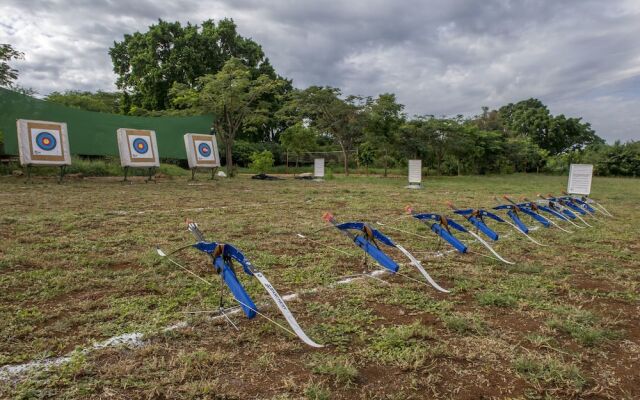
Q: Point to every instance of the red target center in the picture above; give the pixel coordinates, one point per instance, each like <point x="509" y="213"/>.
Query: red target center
<point x="46" y="141"/>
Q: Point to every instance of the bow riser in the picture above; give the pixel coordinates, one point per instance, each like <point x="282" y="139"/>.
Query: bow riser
<point x="488" y="232"/>
<point x="231" y="280"/>
<point x="539" y="218"/>
<point x="516" y="220"/>
<point x="377" y="254"/>
<point x="449" y="238"/>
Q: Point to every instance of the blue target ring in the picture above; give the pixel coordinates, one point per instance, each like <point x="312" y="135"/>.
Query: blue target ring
<point x="204" y="149"/>
<point x="140" y="146"/>
<point x="46" y="141"/>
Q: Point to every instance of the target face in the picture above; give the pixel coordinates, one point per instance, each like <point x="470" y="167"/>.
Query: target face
<point x="46" y="142"/>
<point x="140" y="147"/>
<point x="204" y="149"/>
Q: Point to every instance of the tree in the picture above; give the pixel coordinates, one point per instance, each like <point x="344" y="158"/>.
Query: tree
<point x="530" y="118"/>
<point x="148" y="64"/>
<point x="340" y="119"/>
<point x="383" y="119"/>
<point x="232" y="96"/>
<point x="8" y="74"/>
<point x="298" y="139"/>
<point x="100" y="101"/>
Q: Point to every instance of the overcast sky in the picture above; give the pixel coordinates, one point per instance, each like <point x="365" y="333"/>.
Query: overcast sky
<point x="581" y="58"/>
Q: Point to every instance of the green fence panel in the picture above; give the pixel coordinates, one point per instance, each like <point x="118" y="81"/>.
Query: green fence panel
<point x="93" y="133"/>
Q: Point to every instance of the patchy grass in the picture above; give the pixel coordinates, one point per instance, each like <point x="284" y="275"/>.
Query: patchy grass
<point x="340" y="368"/>
<point x="551" y="373"/>
<point x="78" y="266"/>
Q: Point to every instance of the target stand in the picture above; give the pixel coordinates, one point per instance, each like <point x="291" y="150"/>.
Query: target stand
<point x="43" y="143"/>
<point x="202" y="152"/>
<point x="138" y="149"/>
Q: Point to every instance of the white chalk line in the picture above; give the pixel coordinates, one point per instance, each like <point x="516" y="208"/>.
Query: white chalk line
<point x="136" y="339"/>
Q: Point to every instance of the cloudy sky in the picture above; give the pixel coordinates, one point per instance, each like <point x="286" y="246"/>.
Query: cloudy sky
<point x="581" y="58"/>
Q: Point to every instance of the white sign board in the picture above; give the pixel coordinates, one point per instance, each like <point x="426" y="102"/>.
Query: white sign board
<point x="138" y="148"/>
<point x="202" y="150"/>
<point x="580" y="179"/>
<point x="415" y="171"/>
<point x="43" y="143"/>
<point x="318" y="168"/>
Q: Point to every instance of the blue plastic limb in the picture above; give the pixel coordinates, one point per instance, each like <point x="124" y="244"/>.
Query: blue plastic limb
<point x="228" y="276"/>
<point x="514" y="217"/>
<point x="452" y="240"/>
<point x="583" y="204"/>
<point x="236" y="288"/>
<point x="536" y="216"/>
<point x="483" y="228"/>
<point x="376" y="253"/>
<point x="553" y="212"/>
<point x="575" y="208"/>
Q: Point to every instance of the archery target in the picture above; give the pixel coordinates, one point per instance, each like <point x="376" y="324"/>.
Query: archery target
<point x="202" y="151"/>
<point x="138" y="148"/>
<point x="43" y="142"/>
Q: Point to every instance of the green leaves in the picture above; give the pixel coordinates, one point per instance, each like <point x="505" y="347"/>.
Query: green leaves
<point x="149" y="64"/>
<point x="233" y="96"/>
<point x="8" y="74"/>
<point x="261" y="162"/>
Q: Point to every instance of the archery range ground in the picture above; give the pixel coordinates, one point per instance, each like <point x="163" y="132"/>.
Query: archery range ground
<point x="78" y="266"/>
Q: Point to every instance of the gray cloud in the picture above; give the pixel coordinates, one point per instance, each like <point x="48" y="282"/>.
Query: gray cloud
<point x="444" y="58"/>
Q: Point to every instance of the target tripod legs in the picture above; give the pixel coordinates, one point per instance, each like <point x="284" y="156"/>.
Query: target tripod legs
<point x="152" y="173"/>
<point x="29" y="173"/>
<point x="126" y="173"/>
<point x="62" y="171"/>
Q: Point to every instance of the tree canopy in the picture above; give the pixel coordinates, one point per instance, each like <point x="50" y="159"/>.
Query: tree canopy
<point x="148" y="64"/>
<point x="234" y="98"/>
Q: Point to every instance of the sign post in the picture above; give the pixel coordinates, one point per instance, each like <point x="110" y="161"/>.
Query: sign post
<point x="318" y="169"/>
<point x="580" y="179"/>
<point x="415" y="174"/>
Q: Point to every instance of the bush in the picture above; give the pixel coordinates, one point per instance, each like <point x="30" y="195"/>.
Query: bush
<point x="261" y="162"/>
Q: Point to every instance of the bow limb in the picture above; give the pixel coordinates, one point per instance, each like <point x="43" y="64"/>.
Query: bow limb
<point x="420" y="268"/>
<point x="525" y="234"/>
<point x="488" y="246"/>
<point x="284" y="310"/>
<point x="552" y="222"/>
<point x="602" y="207"/>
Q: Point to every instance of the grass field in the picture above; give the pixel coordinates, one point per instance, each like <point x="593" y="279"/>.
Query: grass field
<point x="78" y="266"/>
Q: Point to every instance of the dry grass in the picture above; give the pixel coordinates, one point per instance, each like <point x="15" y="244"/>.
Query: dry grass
<point x="77" y="266"/>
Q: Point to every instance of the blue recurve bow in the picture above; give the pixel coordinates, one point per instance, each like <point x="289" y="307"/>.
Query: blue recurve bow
<point x="222" y="256"/>
<point x="367" y="239"/>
